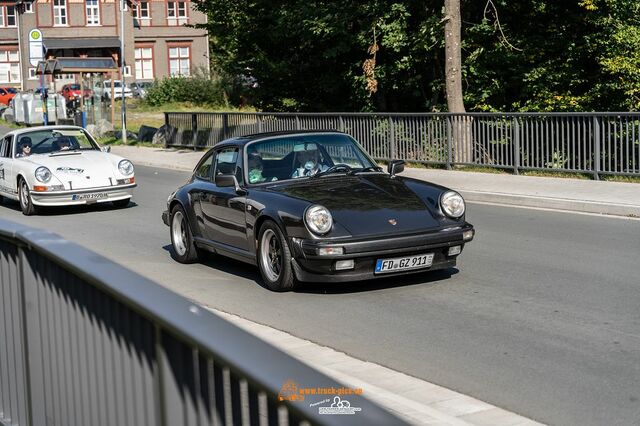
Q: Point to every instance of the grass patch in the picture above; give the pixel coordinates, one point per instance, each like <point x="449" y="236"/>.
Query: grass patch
<point x="5" y="123"/>
<point x="550" y="173"/>
<point x="624" y="179"/>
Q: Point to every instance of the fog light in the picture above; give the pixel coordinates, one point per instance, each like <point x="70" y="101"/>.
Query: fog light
<point x="468" y="235"/>
<point x="329" y="251"/>
<point x="341" y="265"/>
<point x="126" y="181"/>
<point x="454" y="250"/>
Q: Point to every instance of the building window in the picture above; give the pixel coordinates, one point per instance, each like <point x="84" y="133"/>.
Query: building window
<point x="177" y="13"/>
<point x="32" y="74"/>
<point x="144" y="63"/>
<point x="142" y="15"/>
<point x="11" y="16"/>
<point x="180" y="60"/>
<point x="59" y="12"/>
<point x="93" y="12"/>
<point x="28" y="7"/>
<point x="9" y="66"/>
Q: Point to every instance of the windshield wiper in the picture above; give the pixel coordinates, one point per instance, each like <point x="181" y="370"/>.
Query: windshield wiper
<point x="366" y="169"/>
<point x="338" y="168"/>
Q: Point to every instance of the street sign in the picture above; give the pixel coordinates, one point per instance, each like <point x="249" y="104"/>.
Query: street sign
<point x="36" y="48"/>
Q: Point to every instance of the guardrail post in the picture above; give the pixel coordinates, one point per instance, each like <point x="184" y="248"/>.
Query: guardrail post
<point x="516" y="146"/>
<point x="31" y="335"/>
<point x="259" y="117"/>
<point x="449" y="150"/>
<point x="194" y="129"/>
<point x="225" y="125"/>
<point x="392" y="139"/>
<point x="596" y="147"/>
<point x="297" y="122"/>
<point x="341" y="123"/>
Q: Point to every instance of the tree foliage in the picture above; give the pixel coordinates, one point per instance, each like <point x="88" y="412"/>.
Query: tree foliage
<point x="530" y="55"/>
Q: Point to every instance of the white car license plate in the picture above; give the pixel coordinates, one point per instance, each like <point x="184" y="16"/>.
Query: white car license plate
<point x="91" y="196"/>
<point x="404" y="263"/>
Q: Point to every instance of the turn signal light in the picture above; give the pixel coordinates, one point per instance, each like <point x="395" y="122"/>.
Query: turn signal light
<point x="40" y="188"/>
<point x="328" y="251"/>
<point x="468" y="235"/>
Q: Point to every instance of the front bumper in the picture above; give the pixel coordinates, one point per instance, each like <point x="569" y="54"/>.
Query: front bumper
<point x="82" y="196"/>
<point x="311" y="267"/>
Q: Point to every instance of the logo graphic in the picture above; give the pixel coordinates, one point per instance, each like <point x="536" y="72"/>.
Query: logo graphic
<point x="289" y="392"/>
<point x="339" y="406"/>
<point x="35" y="35"/>
<point x="393" y="222"/>
<point x="70" y="170"/>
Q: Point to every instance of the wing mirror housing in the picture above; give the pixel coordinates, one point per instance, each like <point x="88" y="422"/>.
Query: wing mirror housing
<point x="395" y="167"/>
<point x="105" y="149"/>
<point x="228" y="181"/>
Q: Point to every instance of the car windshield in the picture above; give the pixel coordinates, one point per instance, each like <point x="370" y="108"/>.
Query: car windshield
<point x="74" y="86"/>
<point x="107" y="84"/>
<point x="300" y="156"/>
<point x="54" y="141"/>
<point x="12" y="90"/>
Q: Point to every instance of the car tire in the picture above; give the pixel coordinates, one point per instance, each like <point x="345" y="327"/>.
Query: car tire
<point x="121" y="203"/>
<point x="183" y="247"/>
<point x="274" y="258"/>
<point x="26" y="204"/>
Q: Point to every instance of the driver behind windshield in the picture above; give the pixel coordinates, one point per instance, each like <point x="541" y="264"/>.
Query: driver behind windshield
<point x="63" y="144"/>
<point x="307" y="160"/>
<point x="25" y="147"/>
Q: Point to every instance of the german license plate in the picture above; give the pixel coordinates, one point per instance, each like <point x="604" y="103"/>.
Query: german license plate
<point x="90" y="196"/>
<point x="404" y="263"/>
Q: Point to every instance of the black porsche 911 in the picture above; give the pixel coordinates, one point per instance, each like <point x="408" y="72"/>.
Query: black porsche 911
<point x="313" y="207"/>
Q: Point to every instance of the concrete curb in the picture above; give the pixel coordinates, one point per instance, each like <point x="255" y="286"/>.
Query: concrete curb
<point x="552" y="203"/>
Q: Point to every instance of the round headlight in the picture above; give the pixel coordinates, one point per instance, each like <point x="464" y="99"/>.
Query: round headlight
<point x="43" y="174"/>
<point x="318" y="219"/>
<point x="452" y="204"/>
<point x="125" y="167"/>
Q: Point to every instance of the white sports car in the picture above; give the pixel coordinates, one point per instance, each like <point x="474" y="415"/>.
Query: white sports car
<point x="60" y="166"/>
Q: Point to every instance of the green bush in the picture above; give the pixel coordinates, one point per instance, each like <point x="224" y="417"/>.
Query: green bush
<point x="197" y="89"/>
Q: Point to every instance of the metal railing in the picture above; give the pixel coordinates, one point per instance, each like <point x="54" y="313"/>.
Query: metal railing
<point x="590" y="143"/>
<point x="87" y="342"/>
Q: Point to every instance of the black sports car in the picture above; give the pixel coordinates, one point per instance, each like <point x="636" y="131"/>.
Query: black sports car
<point x="313" y="206"/>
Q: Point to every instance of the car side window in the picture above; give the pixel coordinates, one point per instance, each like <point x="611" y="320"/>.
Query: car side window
<point x="226" y="160"/>
<point x="204" y="169"/>
<point x="5" y="149"/>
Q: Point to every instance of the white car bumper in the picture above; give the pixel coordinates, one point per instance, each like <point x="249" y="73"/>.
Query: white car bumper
<point x="103" y="194"/>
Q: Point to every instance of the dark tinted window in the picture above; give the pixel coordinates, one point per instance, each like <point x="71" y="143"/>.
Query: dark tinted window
<point x="226" y="161"/>
<point x="204" y="169"/>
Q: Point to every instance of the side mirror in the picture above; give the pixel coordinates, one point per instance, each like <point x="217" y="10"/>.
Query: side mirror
<point x="226" y="181"/>
<point x="395" y="167"/>
<point x="106" y="149"/>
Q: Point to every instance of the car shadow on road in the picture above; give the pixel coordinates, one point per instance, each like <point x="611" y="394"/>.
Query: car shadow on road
<point x="68" y="210"/>
<point x="427" y="278"/>
<point x="241" y="269"/>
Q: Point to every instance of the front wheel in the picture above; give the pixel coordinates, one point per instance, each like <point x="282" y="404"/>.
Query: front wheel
<point x="184" y="249"/>
<point x="274" y="259"/>
<point x="26" y="204"/>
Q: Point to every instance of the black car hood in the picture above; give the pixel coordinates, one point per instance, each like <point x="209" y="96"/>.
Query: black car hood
<point x="372" y="204"/>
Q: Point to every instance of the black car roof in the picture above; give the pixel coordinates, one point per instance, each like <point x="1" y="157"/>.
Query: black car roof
<point x="243" y="140"/>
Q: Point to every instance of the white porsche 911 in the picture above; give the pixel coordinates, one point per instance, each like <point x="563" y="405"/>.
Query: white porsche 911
<point x="60" y="166"/>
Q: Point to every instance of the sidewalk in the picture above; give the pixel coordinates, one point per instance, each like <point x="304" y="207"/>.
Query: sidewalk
<point x="587" y="196"/>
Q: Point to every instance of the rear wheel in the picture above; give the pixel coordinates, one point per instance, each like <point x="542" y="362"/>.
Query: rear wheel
<point x="121" y="203"/>
<point x="274" y="258"/>
<point x="26" y="204"/>
<point x="184" y="249"/>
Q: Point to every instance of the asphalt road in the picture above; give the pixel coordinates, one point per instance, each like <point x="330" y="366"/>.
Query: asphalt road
<point x="542" y="316"/>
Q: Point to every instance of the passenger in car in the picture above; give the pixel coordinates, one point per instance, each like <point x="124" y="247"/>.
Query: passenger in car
<point x="25" y="147"/>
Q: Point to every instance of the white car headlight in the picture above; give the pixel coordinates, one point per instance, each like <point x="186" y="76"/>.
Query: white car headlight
<point x="43" y="174"/>
<point x="125" y="167"/>
<point x="318" y="219"/>
<point x="452" y="204"/>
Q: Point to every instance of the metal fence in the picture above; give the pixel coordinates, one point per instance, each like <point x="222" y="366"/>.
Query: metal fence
<point x="591" y="143"/>
<point x="87" y="342"/>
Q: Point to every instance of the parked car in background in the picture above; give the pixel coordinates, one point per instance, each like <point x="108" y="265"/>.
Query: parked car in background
<point x="104" y="90"/>
<point x="6" y="94"/>
<point x="72" y="91"/>
<point x="313" y="207"/>
<point x="139" y="88"/>
<point x="61" y="166"/>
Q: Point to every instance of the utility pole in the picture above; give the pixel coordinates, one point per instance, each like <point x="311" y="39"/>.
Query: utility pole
<point x="122" y="65"/>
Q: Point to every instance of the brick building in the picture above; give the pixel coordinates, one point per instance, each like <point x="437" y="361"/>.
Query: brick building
<point x="157" y="42"/>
